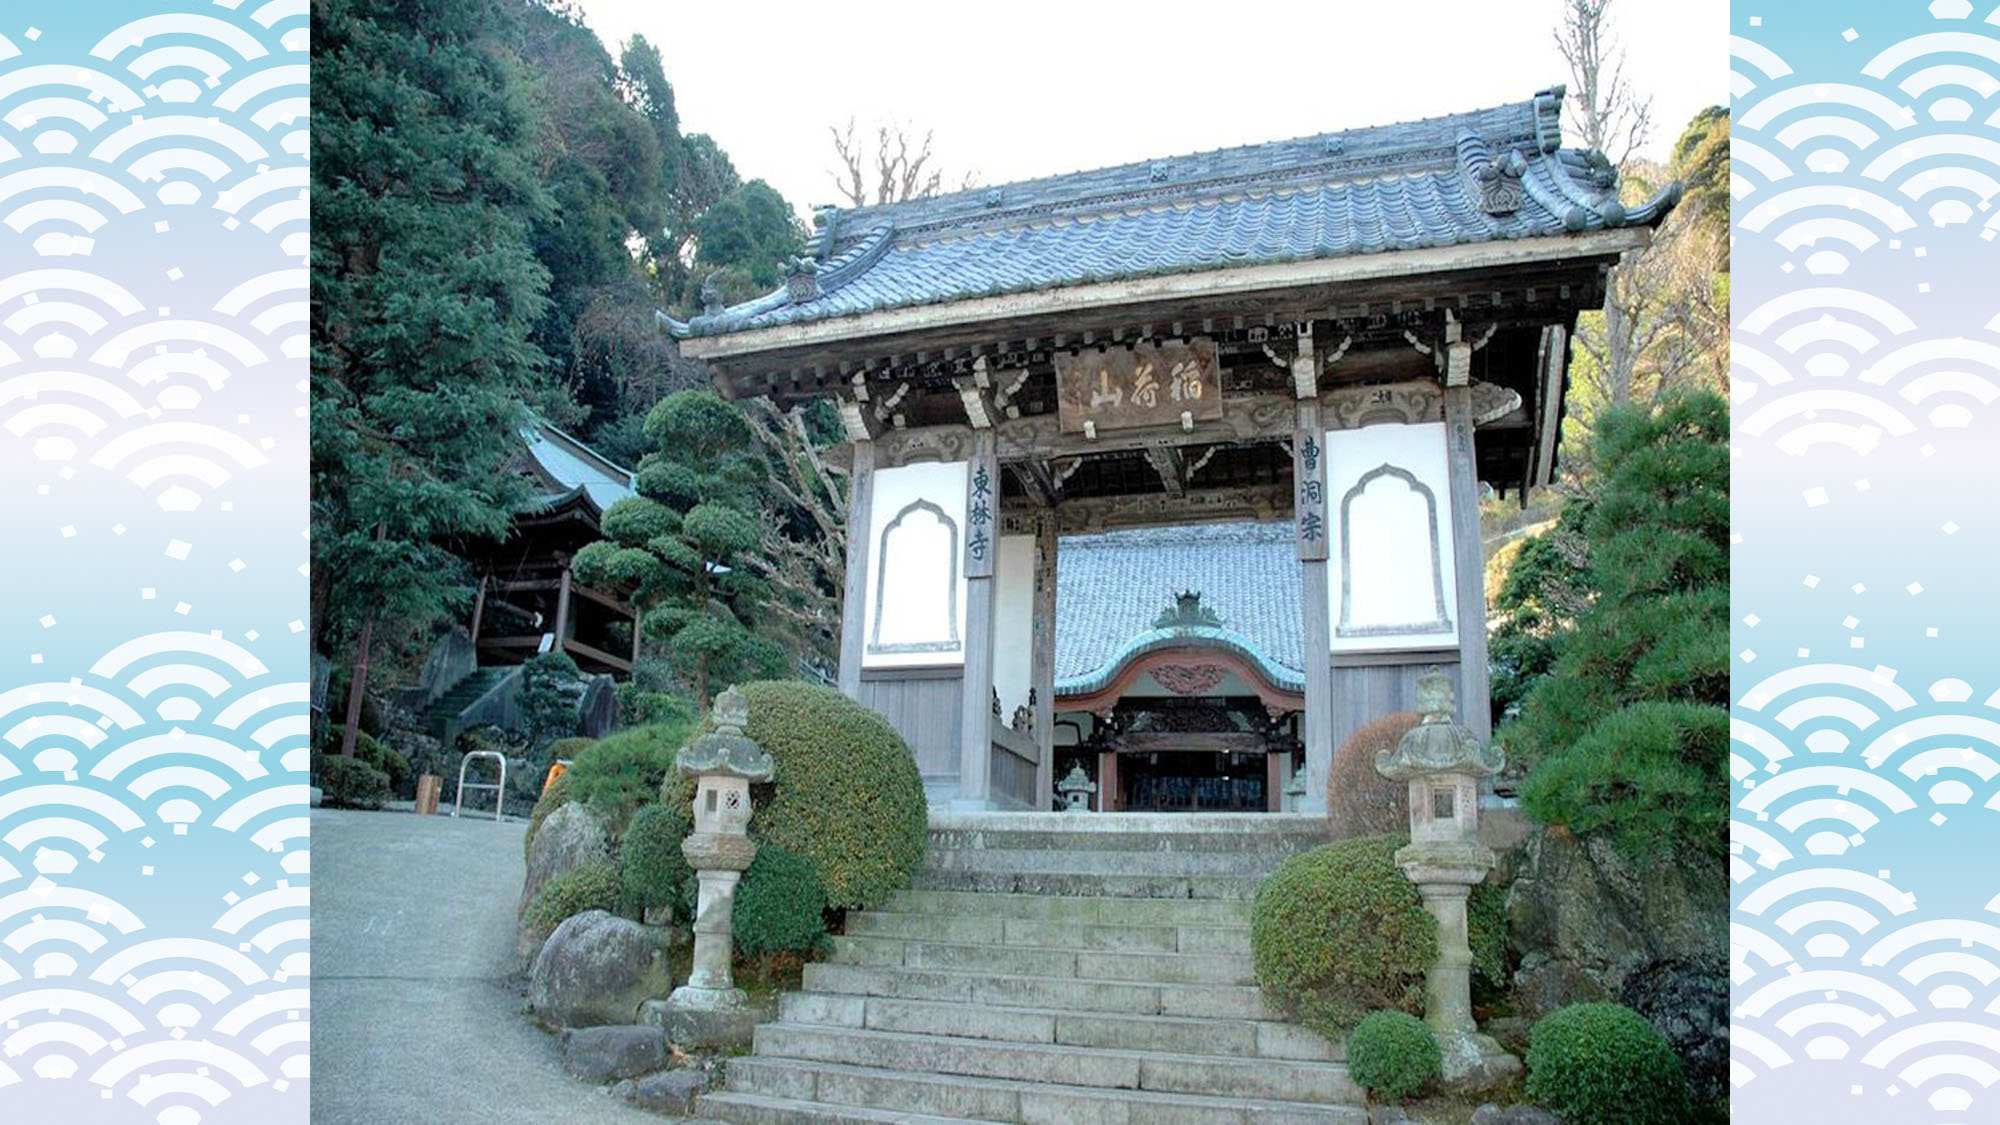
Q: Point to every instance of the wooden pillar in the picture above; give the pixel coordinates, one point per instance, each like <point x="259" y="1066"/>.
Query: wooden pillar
<point x="854" y="593"/>
<point x="1107" y="781"/>
<point x="982" y="503"/>
<point x="1043" y="660"/>
<point x="479" y="613"/>
<point x="1475" y="692"/>
<point x="1310" y="513"/>
<point x="562" y="611"/>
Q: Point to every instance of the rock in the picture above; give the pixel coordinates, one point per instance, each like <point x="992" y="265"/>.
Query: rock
<point x="597" y="969"/>
<point x="1513" y="1115"/>
<point x="604" y="1054"/>
<point x="1689" y="1004"/>
<point x="571" y="837"/>
<point x="670" y="1092"/>
<point x="1582" y="919"/>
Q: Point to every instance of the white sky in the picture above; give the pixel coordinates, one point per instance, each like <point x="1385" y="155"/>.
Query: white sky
<point x="1022" y="88"/>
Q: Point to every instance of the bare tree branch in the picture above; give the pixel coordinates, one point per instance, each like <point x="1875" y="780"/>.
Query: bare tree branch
<point x="901" y="166"/>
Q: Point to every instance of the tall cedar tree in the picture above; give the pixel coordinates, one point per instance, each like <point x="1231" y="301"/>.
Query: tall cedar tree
<point x="426" y="293"/>
<point x="683" y="546"/>
<point x="1628" y="733"/>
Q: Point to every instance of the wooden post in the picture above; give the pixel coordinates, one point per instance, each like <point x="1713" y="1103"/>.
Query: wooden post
<point x="854" y="593"/>
<point x="1043" y="661"/>
<point x="1475" y="692"/>
<point x="562" y="612"/>
<point x="479" y="612"/>
<point x="1107" y="781"/>
<point x="635" y="640"/>
<point x="1309" y="479"/>
<point x="982" y="508"/>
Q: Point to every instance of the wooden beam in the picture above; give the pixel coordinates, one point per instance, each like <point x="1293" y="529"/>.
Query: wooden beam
<point x="562" y="608"/>
<point x="1475" y="693"/>
<point x="1042" y="659"/>
<point x="594" y="653"/>
<point x="479" y="607"/>
<point x="854" y="591"/>
<point x="1553" y="358"/>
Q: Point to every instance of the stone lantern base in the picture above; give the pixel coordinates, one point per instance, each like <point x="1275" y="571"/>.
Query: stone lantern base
<point x="1474" y="1060"/>
<point x="704" y="1018"/>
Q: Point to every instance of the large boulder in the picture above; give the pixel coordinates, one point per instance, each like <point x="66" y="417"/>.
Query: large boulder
<point x="596" y="969"/>
<point x="1588" y="924"/>
<point x="570" y="838"/>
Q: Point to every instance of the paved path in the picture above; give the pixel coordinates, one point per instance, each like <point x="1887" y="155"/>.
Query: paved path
<point x="415" y="1016"/>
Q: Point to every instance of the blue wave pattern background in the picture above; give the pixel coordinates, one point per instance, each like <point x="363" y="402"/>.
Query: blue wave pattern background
<point x="153" y="704"/>
<point x="1865" y="846"/>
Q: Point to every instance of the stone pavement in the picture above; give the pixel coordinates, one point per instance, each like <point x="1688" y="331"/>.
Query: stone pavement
<point x="415" y="1016"/>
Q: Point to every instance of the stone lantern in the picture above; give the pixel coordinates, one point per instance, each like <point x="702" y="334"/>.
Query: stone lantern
<point x="709" y="1010"/>
<point x="1442" y="763"/>
<point x="1076" y="789"/>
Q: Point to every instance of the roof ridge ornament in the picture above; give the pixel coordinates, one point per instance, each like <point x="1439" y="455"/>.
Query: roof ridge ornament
<point x="1188" y="612"/>
<point x="1495" y="180"/>
<point x="801" y="279"/>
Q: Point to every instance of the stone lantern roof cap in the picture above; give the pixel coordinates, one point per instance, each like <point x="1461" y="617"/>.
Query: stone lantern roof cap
<point x="1439" y="743"/>
<point x="726" y="750"/>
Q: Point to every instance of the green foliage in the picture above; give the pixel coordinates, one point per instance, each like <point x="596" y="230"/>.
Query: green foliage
<point x="593" y="887"/>
<point x="549" y="684"/>
<point x="638" y="706"/>
<point x="554" y="796"/>
<point x="780" y="907"/>
<point x="1603" y="1064"/>
<point x="750" y="231"/>
<point x="1338" y="931"/>
<point x="619" y="773"/>
<point x="652" y="872"/>
<point x="1486" y="933"/>
<point x="1393" y="1055"/>
<point x="426" y="293"/>
<point x="1621" y="736"/>
<point x="847" y="795"/>
<point x="1546" y="586"/>
<point x="394" y="767"/>
<point x="349" y="782"/>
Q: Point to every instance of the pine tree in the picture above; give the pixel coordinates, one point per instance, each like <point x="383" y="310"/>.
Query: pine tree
<point x="425" y="296"/>
<point x="1628" y="733"/>
<point x="685" y="544"/>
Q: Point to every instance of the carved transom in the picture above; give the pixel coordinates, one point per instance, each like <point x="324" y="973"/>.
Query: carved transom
<point x="1189" y="679"/>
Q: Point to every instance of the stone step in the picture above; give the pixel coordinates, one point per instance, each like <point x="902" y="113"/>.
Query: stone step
<point x="1239" y="888"/>
<point x="978" y="986"/>
<point x="825" y="1085"/>
<point x="1123" y="1031"/>
<point x="1318" y="1083"/>
<point x="1115" y="911"/>
<point x="1081" y="858"/>
<point x="1029" y="960"/>
<point x="1047" y="932"/>
<point x="759" y="1109"/>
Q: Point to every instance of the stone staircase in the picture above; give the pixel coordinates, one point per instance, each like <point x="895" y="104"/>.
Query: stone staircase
<point x="1052" y="968"/>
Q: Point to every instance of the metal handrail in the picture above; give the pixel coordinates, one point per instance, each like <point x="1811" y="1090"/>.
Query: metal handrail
<point x="499" y="789"/>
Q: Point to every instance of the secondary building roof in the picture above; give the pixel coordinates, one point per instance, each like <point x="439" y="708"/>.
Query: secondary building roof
<point x="1482" y="176"/>
<point x="572" y="471"/>
<point x="1112" y="586"/>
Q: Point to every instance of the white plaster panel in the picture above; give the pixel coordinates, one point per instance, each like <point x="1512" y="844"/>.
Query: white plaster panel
<point x="1391" y="575"/>
<point x="1014" y="622"/>
<point x="916" y="567"/>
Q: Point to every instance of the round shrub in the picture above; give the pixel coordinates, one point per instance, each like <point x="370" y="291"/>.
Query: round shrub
<point x="780" y="905"/>
<point x="847" y="795"/>
<point x="554" y="796"/>
<point x="370" y="749"/>
<point x="1338" y="931"/>
<point x="349" y="782"/>
<point x="652" y="872"/>
<point x="1359" y="801"/>
<point x="619" y="773"/>
<point x="1603" y="1064"/>
<point x="1393" y="1055"/>
<point x="572" y="892"/>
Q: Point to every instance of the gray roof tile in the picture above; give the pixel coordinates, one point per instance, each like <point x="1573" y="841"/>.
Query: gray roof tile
<point x="1379" y="190"/>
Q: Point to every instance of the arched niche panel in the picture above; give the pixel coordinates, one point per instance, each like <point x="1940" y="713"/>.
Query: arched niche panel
<point x="1393" y="583"/>
<point x="916" y="582"/>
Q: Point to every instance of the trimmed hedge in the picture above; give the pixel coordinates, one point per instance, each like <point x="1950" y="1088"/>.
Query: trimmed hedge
<point x="846" y="796"/>
<point x="652" y="872"/>
<point x="1359" y="801"/>
<point x="619" y="773"/>
<point x="349" y="782"/>
<point x="554" y="796"/>
<point x="1603" y="1064"/>
<point x="780" y="905"/>
<point x="1338" y="931"/>
<point x="574" y="891"/>
<point x="370" y="749"/>
<point x="1393" y="1055"/>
